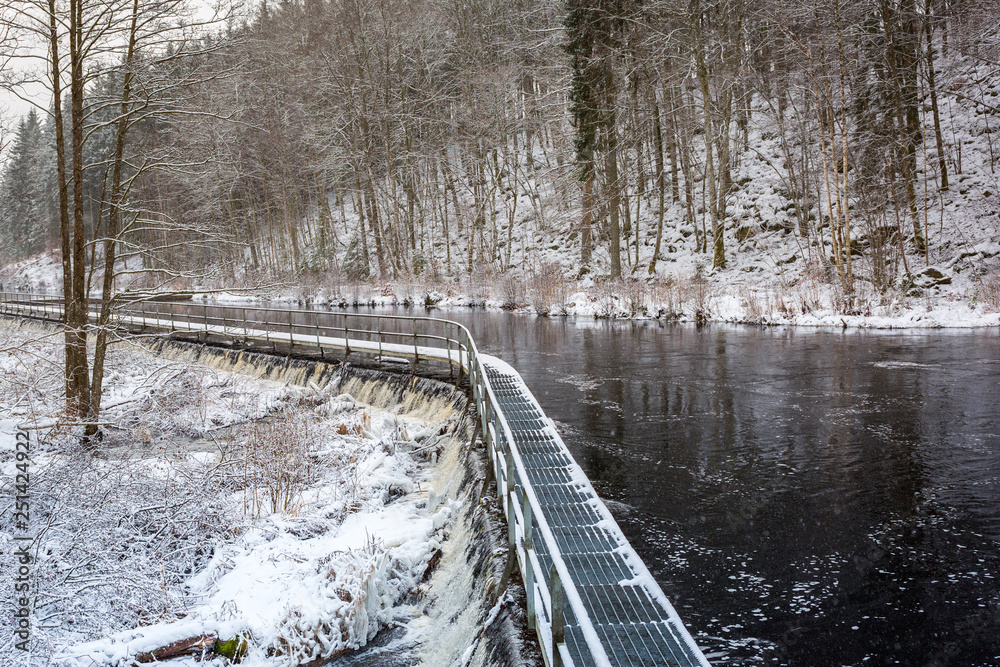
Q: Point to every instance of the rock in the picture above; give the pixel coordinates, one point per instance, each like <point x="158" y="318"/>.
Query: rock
<point x="931" y="276"/>
<point x="235" y="649"/>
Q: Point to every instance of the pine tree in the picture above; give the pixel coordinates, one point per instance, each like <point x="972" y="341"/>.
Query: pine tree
<point x="21" y="200"/>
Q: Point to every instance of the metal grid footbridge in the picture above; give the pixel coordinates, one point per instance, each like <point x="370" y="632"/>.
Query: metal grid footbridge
<point x="590" y="598"/>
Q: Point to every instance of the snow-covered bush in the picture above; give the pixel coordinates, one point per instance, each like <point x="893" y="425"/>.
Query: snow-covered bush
<point x="116" y="539"/>
<point x="988" y="293"/>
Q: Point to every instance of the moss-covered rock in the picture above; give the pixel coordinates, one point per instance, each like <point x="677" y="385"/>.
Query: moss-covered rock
<point x="234" y="649"/>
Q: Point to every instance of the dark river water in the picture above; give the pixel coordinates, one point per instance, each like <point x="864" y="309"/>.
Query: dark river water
<point x="804" y="496"/>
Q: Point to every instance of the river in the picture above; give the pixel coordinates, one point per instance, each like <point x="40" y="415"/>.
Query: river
<point x="804" y="496"/>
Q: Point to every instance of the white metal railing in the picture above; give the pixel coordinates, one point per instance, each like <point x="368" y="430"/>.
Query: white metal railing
<point x="550" y="594"/>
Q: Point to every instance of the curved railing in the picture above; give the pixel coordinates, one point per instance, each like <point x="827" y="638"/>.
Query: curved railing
<point x="415" y="338"/>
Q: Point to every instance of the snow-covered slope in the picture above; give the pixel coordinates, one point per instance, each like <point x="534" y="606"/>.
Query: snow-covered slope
<point x="775" y="272"/>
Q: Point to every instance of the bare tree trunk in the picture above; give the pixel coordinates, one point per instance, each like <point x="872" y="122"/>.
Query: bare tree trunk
<point x="660" y="183"/>
<point x="901" y="36"/>
<point x="942" y="160"/>
<point x="718" y="243"/>
<point x="371" y="208"/>
<point x="444" y="217"/>
<point x="77" y="312"/>
<point x="64" y="224"/>
<point x="613" y="199"/>
<point x="114" y="225"/>
<point x="688" y="170"/>
<point x="359" y="207"/>
<point x="844" y="203"/>
<point x="587" y="218"/>
<point x="288" y="213"/>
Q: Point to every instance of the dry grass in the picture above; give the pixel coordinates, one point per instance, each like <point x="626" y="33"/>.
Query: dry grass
<point x="668" y="296"/>
<point x="477" y="286"/>
<point x="548" y="290"/>
<point x="277" y="465"/>
<point x="513" y="291"/>
<point x="670" y="299"/>
<point x="755" y="306"/>
<point x="696" y="295"/>
<point x="988" y="293"/>
<point x="635" y="295"/>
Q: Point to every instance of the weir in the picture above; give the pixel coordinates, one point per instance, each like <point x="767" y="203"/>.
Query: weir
<point x="590" y="598"/>
<point x="460" y="596"/>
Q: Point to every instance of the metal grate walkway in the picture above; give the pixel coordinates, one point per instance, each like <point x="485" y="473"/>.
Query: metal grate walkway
<point x="633" y="620"/>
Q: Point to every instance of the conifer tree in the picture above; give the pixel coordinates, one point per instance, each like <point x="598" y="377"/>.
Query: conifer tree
<point x="21" y="200"/>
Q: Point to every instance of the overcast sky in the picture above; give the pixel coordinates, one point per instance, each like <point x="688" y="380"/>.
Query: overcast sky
<point x="12" y="107"/>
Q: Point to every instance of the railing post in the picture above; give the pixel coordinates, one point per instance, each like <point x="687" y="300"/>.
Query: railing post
<point x="318" y="343"/>
<point x="529" y="568"/>
<point x="558" y="597"/>
<point x="347" y="341"/>
<point x="447" y="348"/>
<point x="510" y="497"/>
<point x="416" y="354"/>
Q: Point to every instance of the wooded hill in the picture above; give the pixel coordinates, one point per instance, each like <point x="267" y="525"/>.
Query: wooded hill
<point x="380" y="139"/>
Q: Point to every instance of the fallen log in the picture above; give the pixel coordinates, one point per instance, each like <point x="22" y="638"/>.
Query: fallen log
<point x="200" y="645"/>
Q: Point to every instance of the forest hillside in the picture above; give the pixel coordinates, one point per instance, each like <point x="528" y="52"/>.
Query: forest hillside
<point x="773" y="161"/>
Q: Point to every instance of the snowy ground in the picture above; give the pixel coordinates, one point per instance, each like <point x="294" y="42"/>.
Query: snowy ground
<point x="694" y="299"/>
<point x="293" y="519"/>
<point x="698" y="296"/>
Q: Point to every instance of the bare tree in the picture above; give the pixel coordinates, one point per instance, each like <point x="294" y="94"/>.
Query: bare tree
<point x="86" y="42"/>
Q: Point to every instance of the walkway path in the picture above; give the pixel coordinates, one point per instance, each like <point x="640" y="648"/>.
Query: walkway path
<point x="634" y="621"/>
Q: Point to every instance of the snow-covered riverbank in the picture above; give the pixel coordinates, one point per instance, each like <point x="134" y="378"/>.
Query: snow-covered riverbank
<point x="699" y="300"/>
<point x="297" y="520"/>
<point x="960" y="294"/>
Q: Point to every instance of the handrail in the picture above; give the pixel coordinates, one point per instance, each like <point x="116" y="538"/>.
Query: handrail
<point x="512" y="480"/>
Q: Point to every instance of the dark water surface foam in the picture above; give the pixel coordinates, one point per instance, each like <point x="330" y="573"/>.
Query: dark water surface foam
<point x="804" y="496"/>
